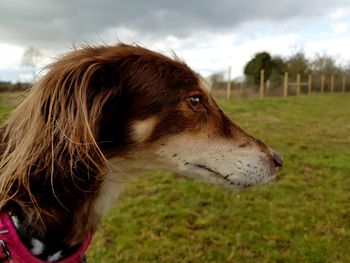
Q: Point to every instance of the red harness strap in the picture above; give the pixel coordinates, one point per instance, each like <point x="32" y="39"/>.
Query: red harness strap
<point x="12" y="250"/>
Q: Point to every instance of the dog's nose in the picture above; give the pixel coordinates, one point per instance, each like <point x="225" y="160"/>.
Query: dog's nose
<point x="277" y="160"/>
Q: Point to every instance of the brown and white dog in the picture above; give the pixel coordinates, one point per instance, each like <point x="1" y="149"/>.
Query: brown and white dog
<point x="100" y="115"/>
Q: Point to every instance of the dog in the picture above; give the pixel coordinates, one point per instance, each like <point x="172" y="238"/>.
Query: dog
<point x="97" y="117"/>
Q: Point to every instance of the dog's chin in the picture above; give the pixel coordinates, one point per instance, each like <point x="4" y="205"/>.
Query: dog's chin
<point x="231" y="181"/>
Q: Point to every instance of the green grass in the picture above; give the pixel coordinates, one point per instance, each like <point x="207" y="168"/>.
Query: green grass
<point x="304" y="216"/>
<point x="8" y="101"/>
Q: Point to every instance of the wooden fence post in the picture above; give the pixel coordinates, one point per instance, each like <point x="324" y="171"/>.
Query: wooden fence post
<point x="344" y="84"/>
<point x="332" y="83"/>
<point x="298" y="84"/>
<point x="322" y="83"/>
<point x="310" y="84"/>
<point x="285" y="90"/>
<point x="262" y="83"/>
<point x="228" y="90"/>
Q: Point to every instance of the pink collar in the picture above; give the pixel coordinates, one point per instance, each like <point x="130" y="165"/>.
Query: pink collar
<point x="12" y="249"/>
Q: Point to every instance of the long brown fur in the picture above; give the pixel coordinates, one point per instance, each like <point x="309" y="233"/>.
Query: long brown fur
<point x="43" y="148"/>
<point x="51" y="136"/>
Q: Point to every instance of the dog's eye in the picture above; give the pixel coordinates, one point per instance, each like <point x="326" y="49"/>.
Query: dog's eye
<point x="195" y="101"/>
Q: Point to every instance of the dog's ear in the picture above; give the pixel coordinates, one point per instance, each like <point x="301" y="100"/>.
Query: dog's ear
<point x="72" y="96"/>
<point x="104" y="81"/>
<point x="86" y="87"/>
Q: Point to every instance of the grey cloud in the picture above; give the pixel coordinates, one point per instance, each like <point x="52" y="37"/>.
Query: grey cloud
<point x="43" y="22"/>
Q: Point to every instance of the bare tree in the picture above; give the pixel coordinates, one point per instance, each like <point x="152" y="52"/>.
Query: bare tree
<point x="216" y="78"/>
<point x="30" y="59"/>
<point x="325" y="64"/>
<point x="345" y="69"/>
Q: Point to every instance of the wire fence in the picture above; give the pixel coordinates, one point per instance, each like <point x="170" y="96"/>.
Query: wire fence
<point x="283" y="86"/>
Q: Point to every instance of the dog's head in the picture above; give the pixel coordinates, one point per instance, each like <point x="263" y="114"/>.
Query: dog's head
<point x="163" y="116"/>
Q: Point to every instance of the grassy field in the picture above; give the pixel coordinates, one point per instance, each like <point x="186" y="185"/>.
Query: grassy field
<point x="304" y="216"/>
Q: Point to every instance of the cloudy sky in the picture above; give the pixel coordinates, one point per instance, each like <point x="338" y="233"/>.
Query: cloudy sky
<point x="208" y="35"/>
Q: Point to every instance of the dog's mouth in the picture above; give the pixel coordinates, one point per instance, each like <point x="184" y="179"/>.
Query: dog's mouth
<point x="226" y="178"/>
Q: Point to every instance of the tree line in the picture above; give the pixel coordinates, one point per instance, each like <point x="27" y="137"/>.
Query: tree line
<point x="298" y="63"/>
